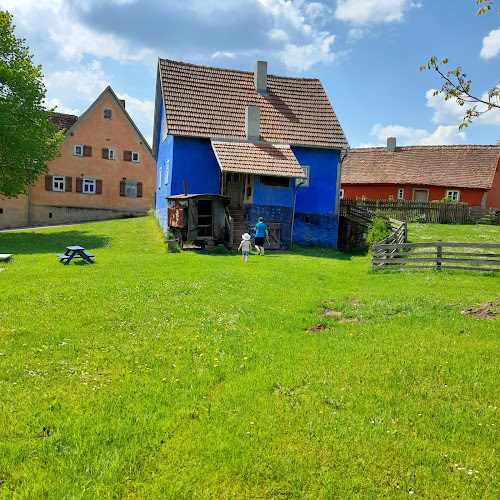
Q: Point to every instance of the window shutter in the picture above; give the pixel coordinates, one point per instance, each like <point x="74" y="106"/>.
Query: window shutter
<point x="127" y="156"/>
<point x="139" y="190"/>
<point x="87" y="150"/>
<point x="48" y="183"/>
<point x="69" y="184"/>
<point x="79" y="185"/>
<point x="98" y="186"/>
<point x="122" y="188"/>
<point x="105" y="153"/>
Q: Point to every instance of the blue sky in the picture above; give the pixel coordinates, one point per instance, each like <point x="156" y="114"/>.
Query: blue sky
<point x="367" y="53"/>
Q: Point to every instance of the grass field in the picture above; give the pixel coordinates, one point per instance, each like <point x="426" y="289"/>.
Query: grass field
<point x="300" y="374"/>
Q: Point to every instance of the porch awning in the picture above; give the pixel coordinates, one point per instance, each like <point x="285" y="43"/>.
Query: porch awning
<point x="257" y="158"/>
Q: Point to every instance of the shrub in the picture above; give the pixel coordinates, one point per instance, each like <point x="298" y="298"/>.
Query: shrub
<point x="377" y="231"/>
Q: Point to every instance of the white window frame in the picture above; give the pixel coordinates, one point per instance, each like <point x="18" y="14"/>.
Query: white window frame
<point x="167" y="168"/>
<point x="87" y="182"/>
<point x="76" y="151"/>
<point x="401" y="194"/>
<point x="453" y="194"/>
<point x="164" y="129"/>
<point x="136" y="157"/>
<point x="301" y="181"/>
<point x="159" y="179"/>
<point x="341" y="194"/>
<point x="112" y="154"/>
<point x="104" y="117"/>
<point x="58" y="183"/>
<point x="131" y="189"/>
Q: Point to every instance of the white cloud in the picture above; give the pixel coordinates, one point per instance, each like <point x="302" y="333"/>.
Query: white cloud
<point x="444" y="135"/>
<point x="407" y="136"/>
<point x="85" y="84"/>
<point x="304" y="56"/>
<point x="60" y="108"/>
<point x="297" y="24"/>
<point x="450" y="112"/>
<point x="370" y="145"/>
<point x="278" y="35"/>
<point x="491" y="45"/>
<point x="55" y="20"/>
<point x="220" y="54"/>
<point x="368" y="11"/>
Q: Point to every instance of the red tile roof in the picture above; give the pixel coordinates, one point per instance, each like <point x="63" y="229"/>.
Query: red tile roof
<point x="63" y="121"/>
<point x="257" y="158"/>
<point x="202" y="101"/>
<point x="450" y="166"/>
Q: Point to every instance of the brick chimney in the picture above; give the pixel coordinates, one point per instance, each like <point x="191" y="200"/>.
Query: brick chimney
<point x="260" y="77"/>
<point x="252" y="123"/>
<point x="391" y="144"/>
<point x="122" y="102"/>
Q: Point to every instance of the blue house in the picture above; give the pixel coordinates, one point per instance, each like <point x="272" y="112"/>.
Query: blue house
<point x="271" y="144"/>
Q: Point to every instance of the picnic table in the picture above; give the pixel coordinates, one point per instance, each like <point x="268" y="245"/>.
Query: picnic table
<point x="75" y="252"/>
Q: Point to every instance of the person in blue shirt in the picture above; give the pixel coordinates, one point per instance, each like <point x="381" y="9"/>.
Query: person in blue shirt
<point x="260" y="233"/>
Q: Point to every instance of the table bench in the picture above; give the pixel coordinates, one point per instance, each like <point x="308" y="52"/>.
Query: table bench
<point x="75" y="252"/>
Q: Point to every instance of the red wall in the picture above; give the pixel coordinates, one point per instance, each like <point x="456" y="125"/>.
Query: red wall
<point x="382" y="192"/>
<point x="493" y="200"/>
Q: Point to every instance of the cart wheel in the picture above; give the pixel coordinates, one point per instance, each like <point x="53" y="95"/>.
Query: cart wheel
<point x="178" y="237"/>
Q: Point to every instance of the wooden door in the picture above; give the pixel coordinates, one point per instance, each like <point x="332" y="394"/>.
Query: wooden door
<point x="233" y="188"/>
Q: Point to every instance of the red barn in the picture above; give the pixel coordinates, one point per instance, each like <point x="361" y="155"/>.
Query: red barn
<point x="424" y="173"/>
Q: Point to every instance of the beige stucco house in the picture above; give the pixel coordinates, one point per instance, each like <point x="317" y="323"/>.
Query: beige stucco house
<point x="105" y="171"/>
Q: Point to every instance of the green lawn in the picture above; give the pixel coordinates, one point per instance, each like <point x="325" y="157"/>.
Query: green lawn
<point x="156" y="375"/>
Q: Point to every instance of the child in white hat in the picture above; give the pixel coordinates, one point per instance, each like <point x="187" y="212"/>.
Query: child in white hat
<point x="245" y="246"/>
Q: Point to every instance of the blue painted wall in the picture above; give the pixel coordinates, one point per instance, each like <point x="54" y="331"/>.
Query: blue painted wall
<point x="319" y="196"/>
<point x="189" y="159"/>
<point x="273" y="195"/>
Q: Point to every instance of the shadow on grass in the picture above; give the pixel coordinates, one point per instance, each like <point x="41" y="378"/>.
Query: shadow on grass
<point x="322" y="252"/>
<point x="54" y="242"/>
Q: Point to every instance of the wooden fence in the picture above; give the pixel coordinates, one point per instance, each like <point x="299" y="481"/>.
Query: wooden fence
<point x="438" y="255"/>
<point x="410" y="211"/>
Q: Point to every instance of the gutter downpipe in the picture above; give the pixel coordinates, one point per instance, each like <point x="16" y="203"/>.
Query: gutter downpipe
<point x="339" y="177"/>
<point x="293" y="210"/>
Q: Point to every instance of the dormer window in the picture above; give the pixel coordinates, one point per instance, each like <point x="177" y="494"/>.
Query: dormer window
<point x="107" y="114"/>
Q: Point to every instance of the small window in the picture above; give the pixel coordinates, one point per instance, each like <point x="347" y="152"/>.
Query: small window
<point x="307" y="219"/>
<point x="107" y="114"/>
<point x="269" y="180"/>
<point x="303" y="181"/>
<point x="89" y="186"/>
<point x="401" y="194"/>
<point x="159" y="179"/>
<point x="1" y="210"/>
<point x="136" y="157"/>
<point x="453" y="194"/>
<point x="341" y="194"/>
<point x="58" y="183"/>
<point x="131" y="189"/>
<point x="77" y="149"/>
<point x="111" y="154"/>
<point x="167" y="168"/>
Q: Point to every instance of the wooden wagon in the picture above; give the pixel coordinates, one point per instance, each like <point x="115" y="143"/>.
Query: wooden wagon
<point x="199" y="218"/>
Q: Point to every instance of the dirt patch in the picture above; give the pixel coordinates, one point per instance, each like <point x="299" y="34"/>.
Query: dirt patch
<point x="317" y="328"/>
<point x="331" y="313"/>
<point x="481" y="312"/>
<point x="356" y="302"/>
<point x="348" y="320"/>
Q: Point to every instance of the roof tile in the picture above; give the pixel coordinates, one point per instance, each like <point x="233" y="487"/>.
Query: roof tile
<point x="452" y="166"/>
<point x="210" y="102"/>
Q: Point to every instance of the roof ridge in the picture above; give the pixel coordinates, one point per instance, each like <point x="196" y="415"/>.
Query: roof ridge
<point x="183" y="63"/>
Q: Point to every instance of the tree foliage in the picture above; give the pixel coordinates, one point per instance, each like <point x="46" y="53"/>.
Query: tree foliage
<point x="28" y="138"/>
<point x="457" y="86"/>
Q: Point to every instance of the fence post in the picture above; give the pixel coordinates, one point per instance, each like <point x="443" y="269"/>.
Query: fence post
<point x="439" y="254"/>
